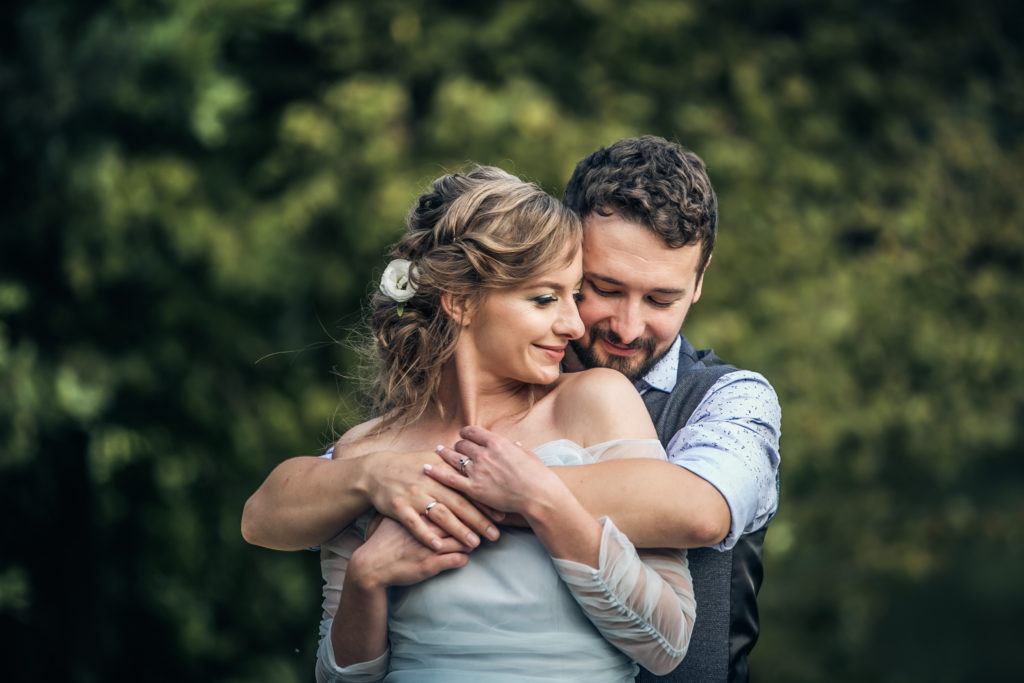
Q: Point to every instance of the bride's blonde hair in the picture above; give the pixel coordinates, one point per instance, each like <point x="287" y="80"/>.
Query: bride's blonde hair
<point x="473" y="233"/>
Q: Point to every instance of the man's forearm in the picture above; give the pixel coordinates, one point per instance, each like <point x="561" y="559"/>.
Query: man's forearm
<point x="656" y="504"/>
<point x="305" y="501"/>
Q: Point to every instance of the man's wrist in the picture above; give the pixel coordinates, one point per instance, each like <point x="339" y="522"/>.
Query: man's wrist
<point x="362" y="578"/>
<point x="364" y="478"/>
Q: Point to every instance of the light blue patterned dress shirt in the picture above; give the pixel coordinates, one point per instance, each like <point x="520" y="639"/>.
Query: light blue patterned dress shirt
<point x="731" y="441"/>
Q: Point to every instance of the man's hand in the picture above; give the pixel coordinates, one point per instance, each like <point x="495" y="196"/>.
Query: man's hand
<point x="389" y="557"/>
<point x="398" y="488"/>
<point x="392" y="557"/>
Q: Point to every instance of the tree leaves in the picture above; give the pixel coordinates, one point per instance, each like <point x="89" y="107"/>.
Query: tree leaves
<point x="199" y="197"/>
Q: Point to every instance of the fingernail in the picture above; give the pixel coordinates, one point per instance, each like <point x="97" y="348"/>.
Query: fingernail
<point x="472" y="539"/>
<point x="427" y="468"/>
<point x="492" y="533"/>
<point x="438" y="448"/>
<point x="519" y="443"/>
<point x="435" y="544"/>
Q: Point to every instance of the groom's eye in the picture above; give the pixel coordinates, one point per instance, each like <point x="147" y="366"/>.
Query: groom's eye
<point x="658" y="303"/>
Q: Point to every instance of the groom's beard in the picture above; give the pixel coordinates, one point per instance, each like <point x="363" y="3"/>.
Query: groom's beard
<point x="591" y="355"/>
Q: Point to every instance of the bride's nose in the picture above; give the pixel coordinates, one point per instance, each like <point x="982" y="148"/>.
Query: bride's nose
<point x="569" y="323"/>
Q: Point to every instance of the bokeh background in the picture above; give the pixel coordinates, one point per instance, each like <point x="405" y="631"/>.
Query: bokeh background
<point x="197" y="196"/>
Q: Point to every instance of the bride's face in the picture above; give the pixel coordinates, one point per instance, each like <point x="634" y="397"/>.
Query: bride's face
<point x="521" y="333"/>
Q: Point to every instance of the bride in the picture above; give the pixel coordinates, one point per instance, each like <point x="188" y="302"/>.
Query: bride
<point x="470" y="326"/>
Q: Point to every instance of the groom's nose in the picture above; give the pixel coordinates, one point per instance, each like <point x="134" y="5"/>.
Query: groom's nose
<point x="627" y="321"/>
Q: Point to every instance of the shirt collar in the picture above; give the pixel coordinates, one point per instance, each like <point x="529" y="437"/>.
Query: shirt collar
<point x="665" y="372"/>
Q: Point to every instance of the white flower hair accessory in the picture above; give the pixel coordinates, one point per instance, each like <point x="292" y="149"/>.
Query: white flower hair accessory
<point x="396" y="282"/>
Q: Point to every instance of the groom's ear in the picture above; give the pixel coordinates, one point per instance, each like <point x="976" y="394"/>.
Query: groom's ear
<point x="699" y="284"/>
<point x="457" y="308"/>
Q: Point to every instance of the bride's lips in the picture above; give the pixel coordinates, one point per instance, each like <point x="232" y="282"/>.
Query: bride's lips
<point x="553" y="352"/>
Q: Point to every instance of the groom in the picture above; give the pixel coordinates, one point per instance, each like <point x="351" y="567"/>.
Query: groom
<point x="650" y="222"/>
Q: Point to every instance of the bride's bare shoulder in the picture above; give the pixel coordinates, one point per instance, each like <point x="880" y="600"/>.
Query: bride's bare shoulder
<point x="604" y="404"/>
<point x="595" y="384"/>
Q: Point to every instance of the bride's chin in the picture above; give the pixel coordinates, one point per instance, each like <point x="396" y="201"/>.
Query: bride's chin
<point x="538" y="374"/>
<point x="547" y="377"/>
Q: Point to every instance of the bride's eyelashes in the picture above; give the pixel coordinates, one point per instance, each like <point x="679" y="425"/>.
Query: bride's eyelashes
<point x="543" y="300"/>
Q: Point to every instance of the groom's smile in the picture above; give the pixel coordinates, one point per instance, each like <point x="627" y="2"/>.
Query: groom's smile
<point x="637" y="292"/>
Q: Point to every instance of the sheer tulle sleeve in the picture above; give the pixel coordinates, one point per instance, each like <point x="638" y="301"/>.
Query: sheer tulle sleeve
<point x="641" y="602"/>
<point x="334" y="557"/>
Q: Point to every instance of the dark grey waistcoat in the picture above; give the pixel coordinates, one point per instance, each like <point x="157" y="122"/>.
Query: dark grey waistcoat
<point x="725" y="583"/>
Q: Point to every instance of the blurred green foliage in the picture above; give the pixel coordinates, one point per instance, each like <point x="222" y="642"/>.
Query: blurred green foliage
<point x="197" y="199"/>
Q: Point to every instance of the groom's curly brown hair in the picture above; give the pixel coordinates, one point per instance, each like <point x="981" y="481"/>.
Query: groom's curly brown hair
<point x="653" y="182"/>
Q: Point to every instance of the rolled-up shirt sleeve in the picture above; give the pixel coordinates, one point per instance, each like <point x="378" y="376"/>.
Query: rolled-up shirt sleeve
<point x="732" y="441"/>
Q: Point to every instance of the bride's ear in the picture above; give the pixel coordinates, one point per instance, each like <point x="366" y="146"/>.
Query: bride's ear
<point x="456" y="308"/>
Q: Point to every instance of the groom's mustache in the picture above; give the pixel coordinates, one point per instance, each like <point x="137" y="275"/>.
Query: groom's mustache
<point x="642" y="343"/>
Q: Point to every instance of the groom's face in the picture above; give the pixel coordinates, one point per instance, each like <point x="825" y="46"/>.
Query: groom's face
<point x="636" y="294"/>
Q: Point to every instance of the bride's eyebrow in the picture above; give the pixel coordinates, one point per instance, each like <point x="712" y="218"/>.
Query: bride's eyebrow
<point x="548" y="284"/>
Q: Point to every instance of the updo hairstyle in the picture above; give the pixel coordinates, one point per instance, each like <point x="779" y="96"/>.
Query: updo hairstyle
<point x="472" y="234"/>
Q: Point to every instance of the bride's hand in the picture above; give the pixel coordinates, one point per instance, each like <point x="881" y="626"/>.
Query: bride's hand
<point x="398" y="488"/>
<point x="391" y="556"/>
<point x="492" y="470"/>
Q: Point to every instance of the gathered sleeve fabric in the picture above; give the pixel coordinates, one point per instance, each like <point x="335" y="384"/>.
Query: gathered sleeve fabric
<point x="334" y="559"/>
<point x="642" y="602"/>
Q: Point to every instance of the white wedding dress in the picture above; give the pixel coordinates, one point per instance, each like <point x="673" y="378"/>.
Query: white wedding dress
<point x="513" y="614"/>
